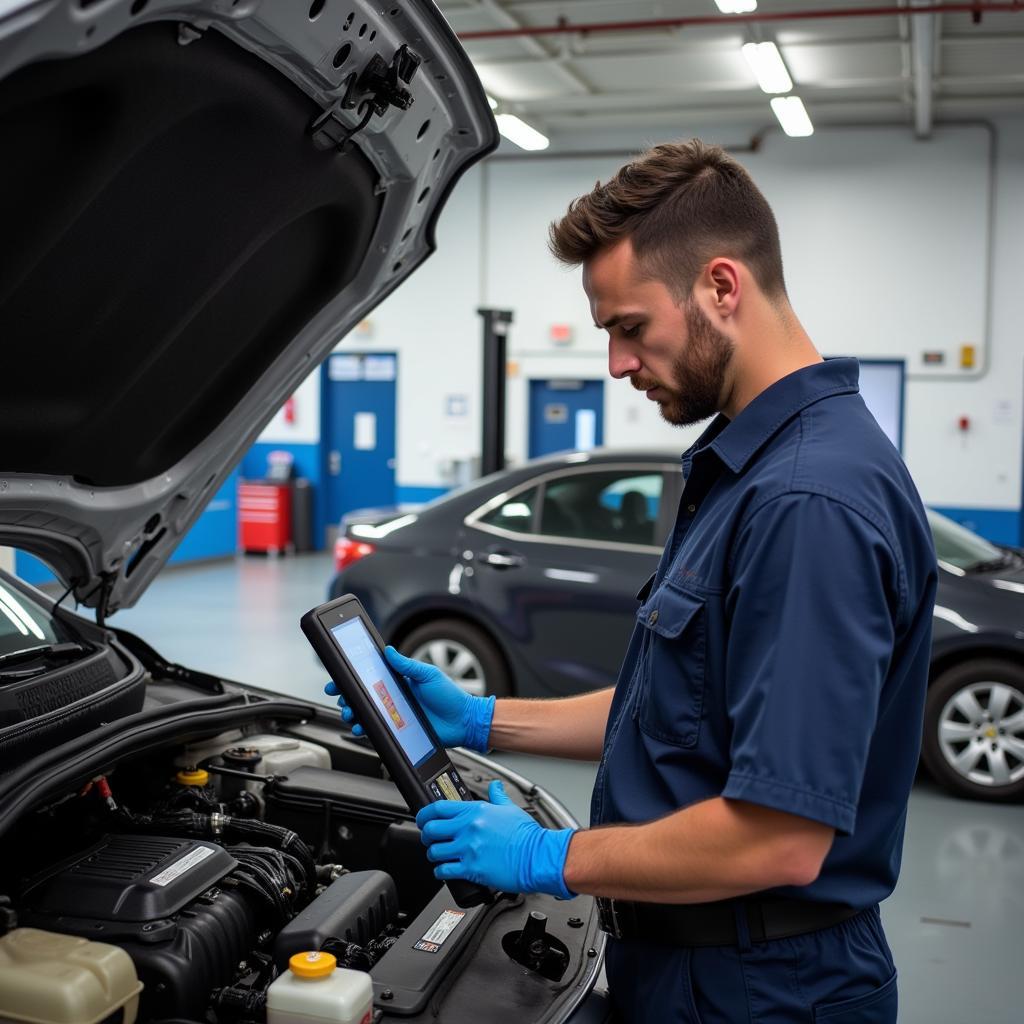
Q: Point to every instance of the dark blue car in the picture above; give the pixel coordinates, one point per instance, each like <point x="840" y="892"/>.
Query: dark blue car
<point x="524" y="583"/>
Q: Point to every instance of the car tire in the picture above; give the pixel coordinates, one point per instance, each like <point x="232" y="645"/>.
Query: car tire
<point x="463" y="652"/>
<point x="975" y="712"/>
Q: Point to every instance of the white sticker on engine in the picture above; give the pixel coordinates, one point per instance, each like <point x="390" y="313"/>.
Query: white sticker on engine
<point x="179" y="867"/>
<point x="439" y="931"/>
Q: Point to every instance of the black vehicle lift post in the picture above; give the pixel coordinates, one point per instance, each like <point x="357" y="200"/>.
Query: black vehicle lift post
<point x="492" y="409"/>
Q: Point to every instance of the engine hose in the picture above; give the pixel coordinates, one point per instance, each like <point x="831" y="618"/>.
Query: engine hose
<point x="236" y="829"/>
<point x="284" y="839"/>
<point x="348" y="954"/>
<point x="250" y="877"/>
<point x="378" y="947"/>
<point x="238" y="1003"/>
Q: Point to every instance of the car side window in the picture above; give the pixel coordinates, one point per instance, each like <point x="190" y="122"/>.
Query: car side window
<point x="516" y="514"/>
<point x="611" y="505"/>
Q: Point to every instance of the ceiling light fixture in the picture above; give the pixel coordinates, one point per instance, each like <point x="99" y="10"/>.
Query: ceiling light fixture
<point x="736" y="6"/>
<point x="792" y="116"/>
<point x="523" y="135"/>
<point x="767" y="64"/>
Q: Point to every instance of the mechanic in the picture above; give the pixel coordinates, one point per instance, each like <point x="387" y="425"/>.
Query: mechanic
<point x="758" y="750"/>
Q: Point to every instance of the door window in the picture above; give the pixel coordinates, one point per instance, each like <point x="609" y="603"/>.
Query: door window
<point x="615" y="505"/>
<point x="516" y="514"/>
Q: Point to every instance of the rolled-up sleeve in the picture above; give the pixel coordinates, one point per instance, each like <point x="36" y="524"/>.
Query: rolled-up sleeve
<point x="812" y="601"/>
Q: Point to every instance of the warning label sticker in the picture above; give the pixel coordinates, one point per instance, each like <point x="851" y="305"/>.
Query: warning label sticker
<point x="435" y="935"/>
<point x="186" y="863"/>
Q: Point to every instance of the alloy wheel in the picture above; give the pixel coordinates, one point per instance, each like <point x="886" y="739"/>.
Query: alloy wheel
<point x="981" y="733"/>
<point x="457" y="662"/>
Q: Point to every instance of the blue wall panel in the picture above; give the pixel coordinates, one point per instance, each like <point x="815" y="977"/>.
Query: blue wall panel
<point x="215" y="533"/>
<point x="411" y="494"/>
<point x="999" y="525"/>
<point x="31" y="570"/>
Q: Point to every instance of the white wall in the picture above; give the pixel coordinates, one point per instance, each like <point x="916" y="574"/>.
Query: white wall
<point x="886" y="245"/>
<point x="305" y="427"/>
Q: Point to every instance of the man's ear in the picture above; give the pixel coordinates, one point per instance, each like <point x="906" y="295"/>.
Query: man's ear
<point x="722" y="282"/>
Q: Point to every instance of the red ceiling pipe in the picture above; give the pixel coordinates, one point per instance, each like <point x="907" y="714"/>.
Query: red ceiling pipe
<point x="581" y="28"/>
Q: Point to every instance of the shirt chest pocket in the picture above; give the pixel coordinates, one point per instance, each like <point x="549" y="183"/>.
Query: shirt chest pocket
<point x="670" y="699"/>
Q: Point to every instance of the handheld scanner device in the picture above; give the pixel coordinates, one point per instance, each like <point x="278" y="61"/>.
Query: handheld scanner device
<point x="352" y="651"/>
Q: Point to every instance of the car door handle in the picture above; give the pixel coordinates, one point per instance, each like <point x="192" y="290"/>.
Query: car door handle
<point x="500" y="560"/>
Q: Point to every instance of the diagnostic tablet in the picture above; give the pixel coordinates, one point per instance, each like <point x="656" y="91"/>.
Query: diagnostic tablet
<point x="352" y="651"/>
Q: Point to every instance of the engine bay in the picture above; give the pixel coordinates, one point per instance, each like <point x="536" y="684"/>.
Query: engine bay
<point x="212" y="862"/>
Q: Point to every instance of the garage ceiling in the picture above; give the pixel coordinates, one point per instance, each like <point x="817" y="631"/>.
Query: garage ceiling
<point x="872" y="67"/>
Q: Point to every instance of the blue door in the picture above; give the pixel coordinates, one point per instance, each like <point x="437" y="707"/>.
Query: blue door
<point x="565" y="414"/>
<point x="359" y="431"/>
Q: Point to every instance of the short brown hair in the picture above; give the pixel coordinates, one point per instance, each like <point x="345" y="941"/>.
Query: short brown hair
<point x="681" y="204"/>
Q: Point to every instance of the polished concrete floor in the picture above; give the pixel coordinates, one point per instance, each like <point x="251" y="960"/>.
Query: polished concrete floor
<point x="954" y="922"/>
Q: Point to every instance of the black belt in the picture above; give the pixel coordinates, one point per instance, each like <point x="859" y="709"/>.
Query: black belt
<point x="714" y="924"/>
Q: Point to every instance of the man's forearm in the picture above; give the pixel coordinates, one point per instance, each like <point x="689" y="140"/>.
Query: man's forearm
<point x="714" y="850"/>
<point x="571" y="727"/>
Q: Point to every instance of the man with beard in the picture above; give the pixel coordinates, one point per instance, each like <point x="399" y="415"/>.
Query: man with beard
<point x="758" y="750"/>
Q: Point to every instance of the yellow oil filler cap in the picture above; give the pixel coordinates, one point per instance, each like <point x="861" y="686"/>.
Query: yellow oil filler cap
<point x="193" y="777"/>
<point x="313" y="964"/>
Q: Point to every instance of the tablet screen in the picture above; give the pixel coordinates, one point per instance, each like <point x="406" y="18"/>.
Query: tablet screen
<point x="378" y="681"/>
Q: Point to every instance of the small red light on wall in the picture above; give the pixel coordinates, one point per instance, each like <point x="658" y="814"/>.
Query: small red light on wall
<point x="561" y="334"/>
<point x="964" y="423"/>
<point x="289" y="410"/>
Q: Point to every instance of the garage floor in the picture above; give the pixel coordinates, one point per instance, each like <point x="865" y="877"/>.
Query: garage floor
<point x="953" y="923"/>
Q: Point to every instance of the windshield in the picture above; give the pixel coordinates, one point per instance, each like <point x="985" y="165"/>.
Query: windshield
<point x="956" y="544"/>
<point x="24" y="624"/>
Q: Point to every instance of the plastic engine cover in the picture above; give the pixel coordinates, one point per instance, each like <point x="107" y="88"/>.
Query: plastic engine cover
<point x="157" y="898"/>
<point x="130" y="878"/>
<point x="355" y="907"/>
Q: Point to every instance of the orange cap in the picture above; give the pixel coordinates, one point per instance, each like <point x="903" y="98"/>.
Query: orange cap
<point x="313" y="965"/>
<point x="193" y="777"/>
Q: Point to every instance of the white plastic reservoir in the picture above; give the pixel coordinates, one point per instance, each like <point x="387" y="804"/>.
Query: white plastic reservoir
<point x="315" y="990"/>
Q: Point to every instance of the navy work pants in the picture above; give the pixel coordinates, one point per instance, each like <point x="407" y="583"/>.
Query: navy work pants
<point x="838" y="975"/>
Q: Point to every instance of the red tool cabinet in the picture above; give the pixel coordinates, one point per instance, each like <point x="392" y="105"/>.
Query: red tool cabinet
<point x="264" y="517"/>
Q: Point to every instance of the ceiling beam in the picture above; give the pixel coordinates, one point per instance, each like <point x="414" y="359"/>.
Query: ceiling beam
<point x="535" y="48"/>
<point x="920" y="9"/>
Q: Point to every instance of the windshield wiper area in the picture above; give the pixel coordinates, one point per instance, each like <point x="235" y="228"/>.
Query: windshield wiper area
<point x="48" y="652"/>
<point x="1005" y="560"/>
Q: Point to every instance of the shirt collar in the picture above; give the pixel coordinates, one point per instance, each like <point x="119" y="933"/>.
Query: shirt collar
<point x="736" y="441"/>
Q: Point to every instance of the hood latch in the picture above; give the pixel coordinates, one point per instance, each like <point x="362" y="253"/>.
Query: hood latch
<point x="381" y="85"/>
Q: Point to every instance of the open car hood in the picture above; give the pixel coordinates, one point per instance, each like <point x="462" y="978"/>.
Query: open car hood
<point x="199" y="199"/>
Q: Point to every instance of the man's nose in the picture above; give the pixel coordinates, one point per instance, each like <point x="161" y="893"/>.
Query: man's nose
<point x="621" y="361"/>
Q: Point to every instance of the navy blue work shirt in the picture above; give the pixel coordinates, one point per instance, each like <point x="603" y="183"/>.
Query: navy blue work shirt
<point x="780" y="653"/>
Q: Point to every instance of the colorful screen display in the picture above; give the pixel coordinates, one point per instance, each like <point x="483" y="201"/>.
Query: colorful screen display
<point x="373" y="672"/>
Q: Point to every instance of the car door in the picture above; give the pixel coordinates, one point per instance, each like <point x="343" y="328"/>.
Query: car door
<point x="558" y="562"/>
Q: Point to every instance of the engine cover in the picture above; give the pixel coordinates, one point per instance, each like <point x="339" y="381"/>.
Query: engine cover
<point x="158" y="898"/>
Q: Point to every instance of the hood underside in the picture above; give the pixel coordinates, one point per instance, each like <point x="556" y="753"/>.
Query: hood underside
<point x="196" y="207"/>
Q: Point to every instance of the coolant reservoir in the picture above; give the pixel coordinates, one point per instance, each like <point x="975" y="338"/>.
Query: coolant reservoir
<point x="315" y="990"/>
<point x="48" y="978"/>
<point x="264" y="754"/>
<point x="283" y="754"/>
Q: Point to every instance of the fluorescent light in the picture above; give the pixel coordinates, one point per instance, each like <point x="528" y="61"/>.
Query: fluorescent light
<point x="792" y="116"/>
<point x="766" y="62"/>
<point x="736" y="6"/>
<point x="518" y="131"/>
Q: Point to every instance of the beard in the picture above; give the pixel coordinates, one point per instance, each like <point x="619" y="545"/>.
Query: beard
<point x="698" y="373"/>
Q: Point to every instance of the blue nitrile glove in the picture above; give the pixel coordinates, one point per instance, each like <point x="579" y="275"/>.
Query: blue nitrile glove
<point x="459" y="719"/>
<point x="495" y="844"/>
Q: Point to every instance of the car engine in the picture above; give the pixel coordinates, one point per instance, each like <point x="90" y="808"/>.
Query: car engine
<point x="176" y="886"/>
<point x="197" y="883"/>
